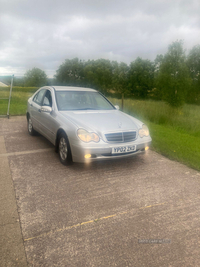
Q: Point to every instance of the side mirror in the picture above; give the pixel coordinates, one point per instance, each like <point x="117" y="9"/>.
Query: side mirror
<point x="46" y="109"/>
<point x="117" y="107"/>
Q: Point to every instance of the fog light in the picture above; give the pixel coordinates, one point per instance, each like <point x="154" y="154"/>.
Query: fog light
<point x="146" y="148"/>
<point x="87" y="156"/>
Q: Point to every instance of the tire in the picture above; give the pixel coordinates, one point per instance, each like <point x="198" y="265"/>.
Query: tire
<point x="64" y="150"/>
<point x="31" y="130"/>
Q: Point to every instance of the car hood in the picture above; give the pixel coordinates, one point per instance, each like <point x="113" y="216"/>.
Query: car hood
<point x="102" y="121"/>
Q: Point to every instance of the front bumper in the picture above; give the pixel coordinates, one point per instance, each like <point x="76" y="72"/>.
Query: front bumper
<point x="103" y="151"/>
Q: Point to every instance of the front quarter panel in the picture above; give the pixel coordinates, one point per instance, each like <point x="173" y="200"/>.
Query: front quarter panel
<point x="68" y="127"/>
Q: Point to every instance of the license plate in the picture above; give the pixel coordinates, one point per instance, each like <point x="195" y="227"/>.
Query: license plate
<point x="123" y="149"/>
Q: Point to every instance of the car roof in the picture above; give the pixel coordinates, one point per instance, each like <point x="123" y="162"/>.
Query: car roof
<point x="72" y="88"/>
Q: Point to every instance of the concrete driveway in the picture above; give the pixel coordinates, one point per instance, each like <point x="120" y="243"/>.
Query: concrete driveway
<point x="141" y="211"/>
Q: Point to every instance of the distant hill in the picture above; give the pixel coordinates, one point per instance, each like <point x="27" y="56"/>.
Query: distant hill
<point x="19" y="80"/>
<point x="6" y="80"/>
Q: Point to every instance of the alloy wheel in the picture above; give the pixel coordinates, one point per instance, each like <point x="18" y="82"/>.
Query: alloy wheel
<point x="63" y="148"/>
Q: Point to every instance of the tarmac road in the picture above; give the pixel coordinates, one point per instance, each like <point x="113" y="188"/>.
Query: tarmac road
<point x="141" y="211"/>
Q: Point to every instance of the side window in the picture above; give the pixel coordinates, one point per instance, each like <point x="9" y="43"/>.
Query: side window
<point x="39" y="96"/>
<point x="47" y="99"/>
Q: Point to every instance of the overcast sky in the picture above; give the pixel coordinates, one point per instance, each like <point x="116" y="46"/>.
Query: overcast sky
<point x="43" y="33"/>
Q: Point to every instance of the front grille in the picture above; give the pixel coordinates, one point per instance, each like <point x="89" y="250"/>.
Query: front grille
<point x="121" y="137"/>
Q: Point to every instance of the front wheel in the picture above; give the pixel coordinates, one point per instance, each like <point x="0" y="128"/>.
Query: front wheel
<point x="64" y="150"/>
<point x="31" y="130"/>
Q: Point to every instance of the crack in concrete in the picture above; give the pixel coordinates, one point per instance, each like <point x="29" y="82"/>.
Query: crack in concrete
<point x="88" y="222"/>
<point x="26" y="152"/>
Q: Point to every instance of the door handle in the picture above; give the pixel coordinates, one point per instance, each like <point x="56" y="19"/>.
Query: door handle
<point x="39" y="110"/>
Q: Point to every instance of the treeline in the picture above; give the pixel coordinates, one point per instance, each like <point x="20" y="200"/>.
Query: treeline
<point x="107" y="76"/>
<point x="173" y="77"/>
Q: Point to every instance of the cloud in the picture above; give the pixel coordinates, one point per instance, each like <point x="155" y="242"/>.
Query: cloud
<point x="44" y="33"/>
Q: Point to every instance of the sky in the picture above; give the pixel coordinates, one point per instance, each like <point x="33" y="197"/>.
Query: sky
<point x="43" y="33"/>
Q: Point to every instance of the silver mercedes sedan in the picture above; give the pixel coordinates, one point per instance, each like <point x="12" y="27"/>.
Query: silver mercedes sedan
<point x="84" y="126"/>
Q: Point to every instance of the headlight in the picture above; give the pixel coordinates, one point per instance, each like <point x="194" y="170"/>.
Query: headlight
<point x="87" y="137"/>
<point x="144" y="131"/>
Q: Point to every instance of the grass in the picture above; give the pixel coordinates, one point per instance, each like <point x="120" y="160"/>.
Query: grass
<point x="19" y="99"/>
<point x="185" y="119"/>
<point x="176" y="145"/>
<point x="175" y="132"/>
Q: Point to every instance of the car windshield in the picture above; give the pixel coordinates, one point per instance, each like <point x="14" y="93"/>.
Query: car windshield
<point x="82" y="100"/>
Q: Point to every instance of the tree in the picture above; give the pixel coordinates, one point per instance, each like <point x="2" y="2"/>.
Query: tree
<point x="35" y="77"/>
<point x="156" y="92"/>
<point x="98" y="74"/>
<point x="157" y="63"/>
<point x="18" y="81"/>
<point x="71" y="73"/>
<point x="193" y="63"/>
<point x="120" y="77"/>
<point x="141" y="77"/>
<point x="173" y="77"/>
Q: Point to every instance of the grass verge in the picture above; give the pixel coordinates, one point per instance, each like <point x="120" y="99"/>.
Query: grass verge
<point x="175" y="132"/>
<point x="176" y="145"/>
<point x="18" y="102"/>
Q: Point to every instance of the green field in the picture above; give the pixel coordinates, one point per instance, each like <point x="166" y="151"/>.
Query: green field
<point x="175" y="132"/>
<point x="19" y="99"/>
<point x="185" y="119"/>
